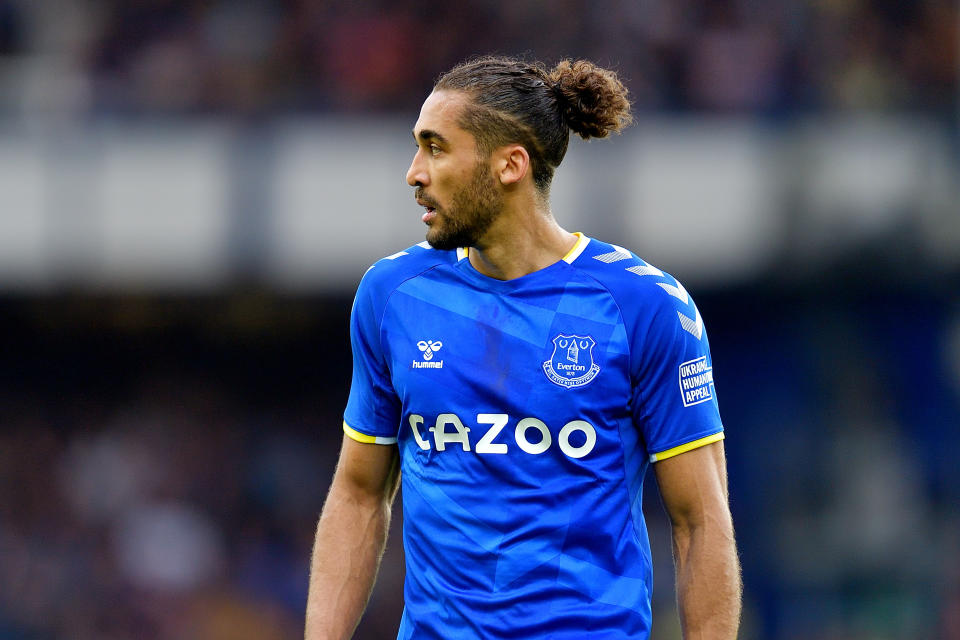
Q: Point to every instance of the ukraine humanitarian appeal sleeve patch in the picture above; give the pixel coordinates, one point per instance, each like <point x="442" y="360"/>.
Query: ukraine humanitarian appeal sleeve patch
<point x="571" y="364"/>
<point x="696" y="381"/>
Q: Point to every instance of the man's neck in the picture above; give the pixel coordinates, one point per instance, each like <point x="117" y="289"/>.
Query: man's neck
<point x="521" y="241"/>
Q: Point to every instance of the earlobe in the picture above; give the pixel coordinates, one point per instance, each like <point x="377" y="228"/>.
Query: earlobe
<point x="514" y="164"/>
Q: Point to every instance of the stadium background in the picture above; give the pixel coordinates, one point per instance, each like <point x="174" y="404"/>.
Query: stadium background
<point x="191" y="189"/>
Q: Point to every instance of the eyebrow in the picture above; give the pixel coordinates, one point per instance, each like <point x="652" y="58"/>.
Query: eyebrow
<point x="427" y="135"/>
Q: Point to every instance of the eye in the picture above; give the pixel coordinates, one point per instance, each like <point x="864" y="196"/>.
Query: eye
<point x="434" y="149"/>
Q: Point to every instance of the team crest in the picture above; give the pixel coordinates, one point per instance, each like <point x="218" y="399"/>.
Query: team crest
<point x="571" y="364"/>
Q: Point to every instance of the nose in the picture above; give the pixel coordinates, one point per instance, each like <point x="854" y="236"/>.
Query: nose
<point x="417" y="173"/>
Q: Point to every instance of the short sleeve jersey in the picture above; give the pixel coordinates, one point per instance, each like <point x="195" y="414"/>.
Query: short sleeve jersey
<point x="526" y="413"/>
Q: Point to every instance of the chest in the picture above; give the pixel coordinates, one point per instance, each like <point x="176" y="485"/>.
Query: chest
<point x="562" y="353"/>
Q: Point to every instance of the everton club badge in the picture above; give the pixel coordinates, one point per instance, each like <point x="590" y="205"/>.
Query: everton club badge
<point x="571" y="364"/>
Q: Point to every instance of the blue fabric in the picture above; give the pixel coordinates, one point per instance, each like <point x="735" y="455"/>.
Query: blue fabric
<point x="525" y="413"/>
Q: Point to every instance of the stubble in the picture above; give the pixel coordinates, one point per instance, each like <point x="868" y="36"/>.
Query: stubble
<point x="473" y="209"/>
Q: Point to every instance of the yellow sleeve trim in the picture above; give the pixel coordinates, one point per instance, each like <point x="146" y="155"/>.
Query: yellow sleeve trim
<point x="690" y="446"/>
<point x="364" y="438"/>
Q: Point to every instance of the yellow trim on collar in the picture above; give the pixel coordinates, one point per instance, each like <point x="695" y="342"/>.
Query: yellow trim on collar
<point x="577" y="248"/>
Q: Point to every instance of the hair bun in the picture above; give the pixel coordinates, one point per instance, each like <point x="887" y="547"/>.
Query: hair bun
<point x="592" y="99"/>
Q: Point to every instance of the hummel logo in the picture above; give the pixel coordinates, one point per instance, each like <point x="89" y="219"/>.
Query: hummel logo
<point x="428" y="347"/>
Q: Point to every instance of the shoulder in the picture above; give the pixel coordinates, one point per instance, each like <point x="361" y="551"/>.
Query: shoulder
<point x="655" y="307"/>
<point x="644" y="292"/>
<point x="629" y="278"/>
<point x="385" y="275"/>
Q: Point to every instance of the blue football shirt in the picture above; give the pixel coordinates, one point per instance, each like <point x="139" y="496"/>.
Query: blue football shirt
<point x="526" y="413"/>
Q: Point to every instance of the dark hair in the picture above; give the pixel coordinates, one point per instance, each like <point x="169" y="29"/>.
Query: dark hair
<point x="513" y="101"/>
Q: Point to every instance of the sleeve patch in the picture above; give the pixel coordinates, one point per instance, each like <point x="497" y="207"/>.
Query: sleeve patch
<point x="696" y="381"/>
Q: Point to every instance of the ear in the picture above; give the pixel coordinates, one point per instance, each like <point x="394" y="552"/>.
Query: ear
<point x="511" y="163"/>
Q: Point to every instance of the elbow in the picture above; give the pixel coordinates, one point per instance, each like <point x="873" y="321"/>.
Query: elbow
<point x="713" y="524"/>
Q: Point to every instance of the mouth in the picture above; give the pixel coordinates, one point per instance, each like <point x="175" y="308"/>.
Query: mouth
<point x="431" y="210"/>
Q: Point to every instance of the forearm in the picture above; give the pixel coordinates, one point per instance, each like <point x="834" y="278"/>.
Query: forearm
<point x="349" y="543"/>
<point x="708" y="580"/>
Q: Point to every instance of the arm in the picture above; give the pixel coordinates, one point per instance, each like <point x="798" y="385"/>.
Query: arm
<point x="693" y="486"/>
<point x="350" y="539"/>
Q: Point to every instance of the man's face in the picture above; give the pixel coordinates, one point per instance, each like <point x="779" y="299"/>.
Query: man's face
<point x="454" y="184"/>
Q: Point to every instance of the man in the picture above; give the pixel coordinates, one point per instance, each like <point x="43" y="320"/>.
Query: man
<point x="523" y="378"/>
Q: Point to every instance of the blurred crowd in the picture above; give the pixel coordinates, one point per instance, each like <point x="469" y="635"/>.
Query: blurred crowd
<point x="267" y="56"/>
<point x="162" y="483"/>
<point x="159" y="515"/>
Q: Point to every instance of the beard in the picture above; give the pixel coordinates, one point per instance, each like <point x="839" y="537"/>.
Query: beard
<point x="473" y="209"/>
